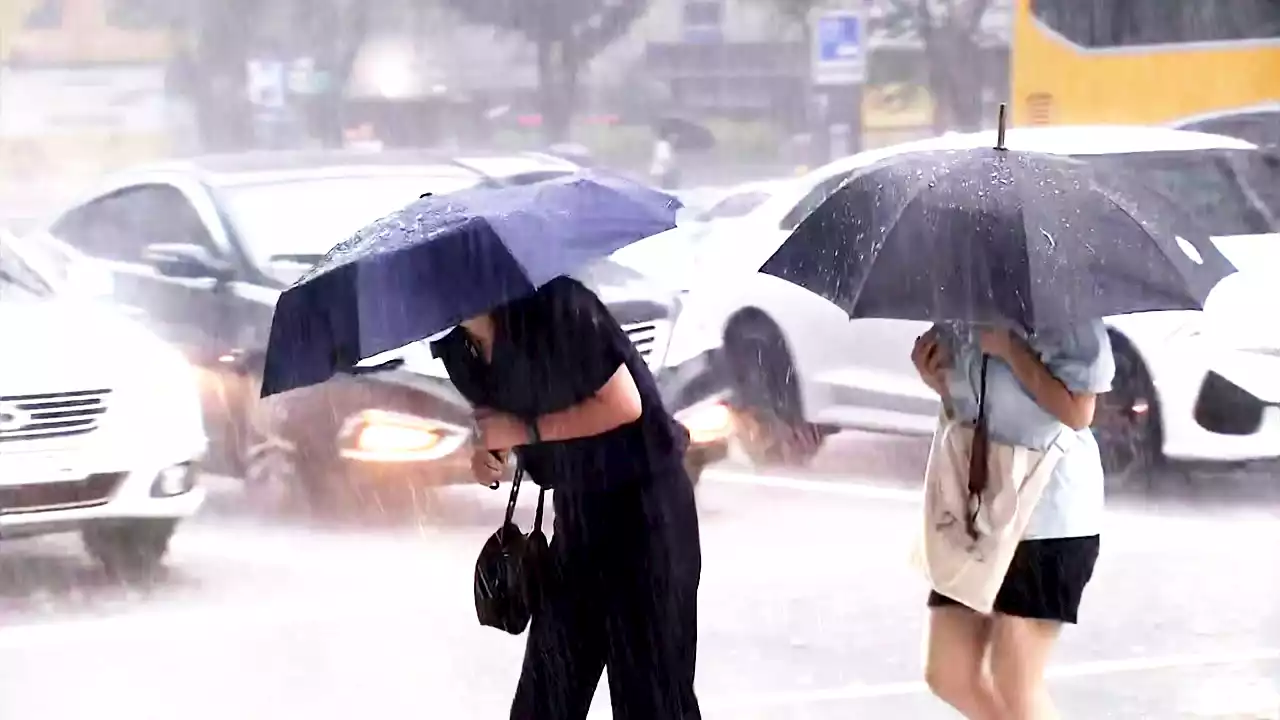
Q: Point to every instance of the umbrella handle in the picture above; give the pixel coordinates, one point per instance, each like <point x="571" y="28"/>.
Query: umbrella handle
<point x="1000" y="128"/>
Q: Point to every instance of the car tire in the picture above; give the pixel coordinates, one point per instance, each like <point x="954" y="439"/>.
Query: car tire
<point x="1127" y="423"/>
<point x="771" y="429"/>
<point x="282" y="476"/>
<point x="131" y="551"/>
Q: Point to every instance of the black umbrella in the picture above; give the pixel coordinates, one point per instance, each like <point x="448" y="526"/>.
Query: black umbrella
<point x="993" y="235"/>
<point x="685" y="135"/>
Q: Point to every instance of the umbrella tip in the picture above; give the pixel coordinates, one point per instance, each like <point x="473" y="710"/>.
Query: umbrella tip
<point x="1000" y="128"/>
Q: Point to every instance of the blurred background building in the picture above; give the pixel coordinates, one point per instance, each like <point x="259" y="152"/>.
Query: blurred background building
<point x="90" y="85"/>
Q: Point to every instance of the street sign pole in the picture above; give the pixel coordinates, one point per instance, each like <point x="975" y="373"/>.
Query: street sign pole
<point x="838" y="70"/>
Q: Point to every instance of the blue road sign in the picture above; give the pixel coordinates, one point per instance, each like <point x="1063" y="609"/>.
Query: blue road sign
<point x="839" y="56"/>
<point x="839" y="37"/>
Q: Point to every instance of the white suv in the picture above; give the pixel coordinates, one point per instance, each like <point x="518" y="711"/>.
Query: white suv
<point x="1191" y="387"/>
<point x="100" y="423"/>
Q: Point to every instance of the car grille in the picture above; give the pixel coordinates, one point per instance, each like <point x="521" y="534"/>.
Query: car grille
<point x="51" y="415"/>
<point x="93" y="490"/>
<point x="650" y="338"/>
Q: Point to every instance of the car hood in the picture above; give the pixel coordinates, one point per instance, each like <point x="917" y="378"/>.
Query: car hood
<point x="65" y="344"/>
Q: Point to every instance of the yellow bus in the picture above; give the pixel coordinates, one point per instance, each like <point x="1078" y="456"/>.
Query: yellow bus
<point x="1141" y="61"/>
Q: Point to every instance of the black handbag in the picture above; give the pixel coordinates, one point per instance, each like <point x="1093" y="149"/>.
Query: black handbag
<point x="512" y="571"/>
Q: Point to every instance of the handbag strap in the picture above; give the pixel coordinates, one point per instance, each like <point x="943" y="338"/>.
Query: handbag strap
<point x="515" y="494"/>
<point x="978" y="467"/>
<point x="515" y="491"/>
<point x="982" y="393"/>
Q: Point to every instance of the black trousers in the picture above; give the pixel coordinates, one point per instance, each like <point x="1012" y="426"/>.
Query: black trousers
<point x="623" y="595"/>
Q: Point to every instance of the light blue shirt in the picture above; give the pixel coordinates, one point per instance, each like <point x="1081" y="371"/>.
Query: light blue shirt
<point x="1079" y="356"/>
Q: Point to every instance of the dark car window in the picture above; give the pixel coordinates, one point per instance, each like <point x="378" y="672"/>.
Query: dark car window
<point x="1260" y="128"/>
<point x="121" y="225"/>
<point x="811" y="201"/>
<point x="736" y="205"/>
<point x="530" y="178"/>
<point x="606" y="273"/>
<point x="1201" y="181"/>
<point x="1261" y="171"/>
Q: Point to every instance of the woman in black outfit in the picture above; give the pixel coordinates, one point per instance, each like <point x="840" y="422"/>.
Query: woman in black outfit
<point x="554" y="377"/>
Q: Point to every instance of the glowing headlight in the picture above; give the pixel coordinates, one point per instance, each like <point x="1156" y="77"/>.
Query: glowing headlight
<point x="383" y="436"/>
<point x="707" y="422"/>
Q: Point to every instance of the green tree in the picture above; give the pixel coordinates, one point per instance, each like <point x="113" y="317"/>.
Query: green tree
<point x="950" y="32"/>
<point x="567" y="35"/>
<point x="220" y="37"/>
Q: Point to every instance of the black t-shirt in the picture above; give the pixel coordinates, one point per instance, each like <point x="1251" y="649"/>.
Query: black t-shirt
<point x="552" y="350"/>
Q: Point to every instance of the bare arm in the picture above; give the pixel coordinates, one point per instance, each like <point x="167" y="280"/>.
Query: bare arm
<point x="615" y="404"/>
<point x="1075" y="410"/>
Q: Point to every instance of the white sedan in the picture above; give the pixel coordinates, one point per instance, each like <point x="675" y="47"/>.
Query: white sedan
<point x="1191" y="386"/>
<point x="100" y="422"/>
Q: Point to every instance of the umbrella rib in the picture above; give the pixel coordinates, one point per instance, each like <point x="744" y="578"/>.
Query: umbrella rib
<point x="1031" y="315"/>
<point x="913" y="194"/>
<point x="1146" y="234"/>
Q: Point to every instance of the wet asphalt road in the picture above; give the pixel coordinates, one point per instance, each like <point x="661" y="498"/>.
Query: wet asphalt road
<point x="808" y="610"/>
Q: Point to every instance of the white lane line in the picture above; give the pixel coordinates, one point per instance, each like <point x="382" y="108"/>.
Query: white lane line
<point x="211" y="618"/>
<point x="828" y="487"/>
<point x="879" y="489"/>
<point x="1092" y="669"/>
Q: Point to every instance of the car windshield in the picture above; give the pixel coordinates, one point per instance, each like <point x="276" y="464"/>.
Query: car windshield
<point x="1261" y="170"/>
<point x="608" y="273"/>
<point x="1203" y="182"/>
<point x="300" y="220"/>
<point x="18" y="279"/>
<point x="736" y="205"/>
<point x="1260" y="128"/>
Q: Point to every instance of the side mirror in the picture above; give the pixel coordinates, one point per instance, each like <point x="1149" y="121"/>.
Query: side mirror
<point x="184" y="260"/>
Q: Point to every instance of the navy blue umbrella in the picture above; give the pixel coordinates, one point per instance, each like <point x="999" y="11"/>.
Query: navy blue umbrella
<point x="447" y="258"/>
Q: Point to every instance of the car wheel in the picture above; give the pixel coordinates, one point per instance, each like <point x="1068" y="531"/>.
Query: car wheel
<point x="770" y="422"/>
<point x="281" y="474"/>
<point x="1127" y="424"/>
<point x="130" y="551"/>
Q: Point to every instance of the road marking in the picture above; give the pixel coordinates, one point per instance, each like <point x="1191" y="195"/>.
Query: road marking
<point x="1068" y="671"/>
<point x="205" y="619"/>
<point x="1131" y="509"/>
<point x="209" y="617"/>
<point x="829" y="487"/>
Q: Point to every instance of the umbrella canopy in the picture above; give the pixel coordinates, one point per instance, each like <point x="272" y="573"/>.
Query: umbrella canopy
<point x="446" y="258"/>
<point x="992" y="235"/>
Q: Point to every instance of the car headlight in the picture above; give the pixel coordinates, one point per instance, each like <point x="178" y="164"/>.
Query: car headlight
<point x="385" y="436"/>
<point x="707" y="422"/>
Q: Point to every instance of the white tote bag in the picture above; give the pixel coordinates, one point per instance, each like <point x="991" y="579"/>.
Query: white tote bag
<point x="957" y="565"/>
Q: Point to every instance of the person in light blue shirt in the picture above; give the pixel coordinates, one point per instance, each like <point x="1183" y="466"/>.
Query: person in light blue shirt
<point x="1037" y="386"/>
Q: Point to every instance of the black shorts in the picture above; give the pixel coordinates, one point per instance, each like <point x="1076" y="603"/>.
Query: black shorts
<point x="1046" y="579"/>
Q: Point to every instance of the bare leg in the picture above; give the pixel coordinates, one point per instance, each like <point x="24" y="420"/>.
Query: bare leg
<point x="955" y="649"/>
<point x="1020" y="651"/>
